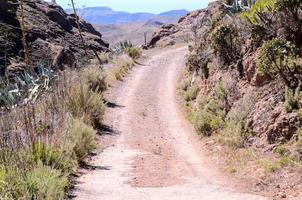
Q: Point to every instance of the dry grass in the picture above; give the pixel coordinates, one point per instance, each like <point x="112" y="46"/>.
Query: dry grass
<point x="121" y="66"/>
<point x="43" y="142"/>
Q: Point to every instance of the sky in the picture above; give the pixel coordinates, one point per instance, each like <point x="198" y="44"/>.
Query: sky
<point x="153" y="6"/>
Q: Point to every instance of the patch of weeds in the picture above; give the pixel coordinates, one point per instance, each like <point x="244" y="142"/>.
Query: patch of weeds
<point x="282" y="150"/>
<point x="104" y="57"/>
<point x="209" y="119"/>
<point x="133" y="52"/>
<point x="191" y="93"/>
<point x="86" y="104"/>
<point x="233" y="170"/>
<point x="82" y="138"/>
<point x="270" y="166"/>
<point x="122" y="65"/>
<point x="96" y="79"/>
<point x="44" y="182"/>
<point x="292" y="99"/>
<point x="57" y="158"/>
<point x="236" y="133"/>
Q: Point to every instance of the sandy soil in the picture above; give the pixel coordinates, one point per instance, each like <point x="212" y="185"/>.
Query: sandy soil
<point x="155" y="155"/>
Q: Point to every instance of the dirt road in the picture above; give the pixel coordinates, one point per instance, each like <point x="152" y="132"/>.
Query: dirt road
<point x="154" y="157"/>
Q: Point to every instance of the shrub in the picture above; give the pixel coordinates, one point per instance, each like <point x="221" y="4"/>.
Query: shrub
<point x="57" y="158"/>
<point x="104" y="57"/>
<point x="133" y="52"/>
<point x="236" y="132"/>
<point x="96" y="79"/>
<point x="221" y="92"/>
<point x="12" y="183"/>
<point x="280" y="56"/>
<point x="44" y="182"/>
<point x="191" y="93"/>
<point x="82" y="138"/>
<point x="282" y="150"/>
<point x="292" y="99"/>
<point x="206" y="123"/>
<point x="122" y="65"/>
<point x="225" y="41"/>
<point x="86" y="104"/>
<point x="209" y="119"/>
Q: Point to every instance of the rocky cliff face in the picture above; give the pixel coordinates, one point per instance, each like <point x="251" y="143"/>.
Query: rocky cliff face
<point x="52" y="36"/>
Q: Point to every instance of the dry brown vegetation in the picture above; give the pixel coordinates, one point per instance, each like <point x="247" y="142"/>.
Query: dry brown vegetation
<point x="44" y="141"/>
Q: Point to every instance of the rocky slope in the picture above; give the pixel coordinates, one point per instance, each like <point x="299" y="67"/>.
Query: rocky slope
<point x="242" y="88"/>
<point x="52" y="36"/>
<point x="183" y="31"/>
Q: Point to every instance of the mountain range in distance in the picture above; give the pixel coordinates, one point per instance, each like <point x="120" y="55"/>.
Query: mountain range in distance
<point x="117" y="26"/>
<point x="105" y="15"/>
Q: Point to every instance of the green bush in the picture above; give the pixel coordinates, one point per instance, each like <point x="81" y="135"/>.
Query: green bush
<point x="226" y="43"/>
<point x="210" y="119"/>
<point x="282" y="150"/>
<point x="191" y="92"/>
<point x="44" y="182"/>
<point x="133" y="52"/>
<point x="292" y="99"/>
<point x="236" y="133"/>
<point x="96" y="79"/>
<point x="86" y="104"/>
<point x="57" y="158"/>
<point x="221" y="92"/>
<point x="279" y="56"/>
<point x="82" y="138"/>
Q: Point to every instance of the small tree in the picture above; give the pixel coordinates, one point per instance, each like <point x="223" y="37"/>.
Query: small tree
<point x="226" y="44"/>
<point x="281" y="57"/>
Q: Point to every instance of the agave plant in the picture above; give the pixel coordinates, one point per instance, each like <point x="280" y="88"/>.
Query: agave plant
<point x="26" y="88"/>
<point x="121" y="46"/>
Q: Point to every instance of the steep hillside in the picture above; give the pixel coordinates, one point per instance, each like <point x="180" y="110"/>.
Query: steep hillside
<point x="242" y="88"/>
<point x="105" y="15"/>
<point x="51" y="34"/>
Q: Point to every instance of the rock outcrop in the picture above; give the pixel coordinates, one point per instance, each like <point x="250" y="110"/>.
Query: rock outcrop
<point x="186" y="28"/>
<point x="52" y="36"/>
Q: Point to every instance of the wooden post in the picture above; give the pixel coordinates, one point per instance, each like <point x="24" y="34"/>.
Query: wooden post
<point x="145" y="36"/>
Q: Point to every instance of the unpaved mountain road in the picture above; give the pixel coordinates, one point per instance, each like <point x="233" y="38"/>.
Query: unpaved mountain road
<point x="154" y="157"/>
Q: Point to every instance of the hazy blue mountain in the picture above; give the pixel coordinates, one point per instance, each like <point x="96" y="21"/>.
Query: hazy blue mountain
<point x="105" y="15"/>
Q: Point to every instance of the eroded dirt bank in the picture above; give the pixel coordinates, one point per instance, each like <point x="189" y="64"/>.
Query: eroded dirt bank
<point x="153" y="157"/>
